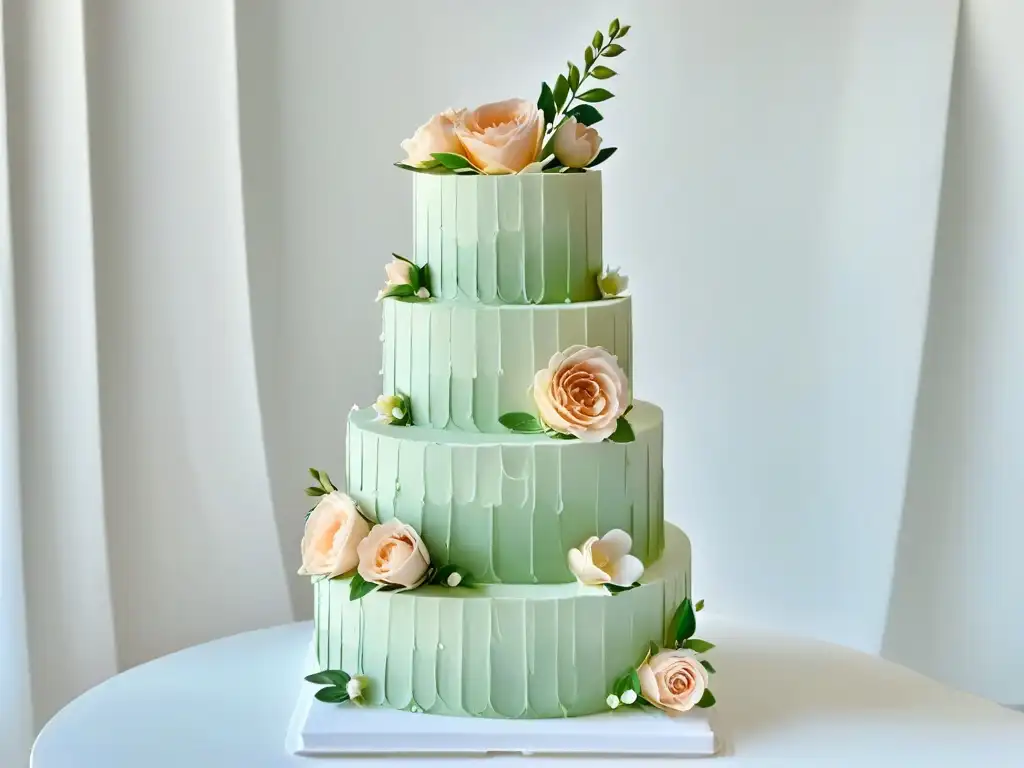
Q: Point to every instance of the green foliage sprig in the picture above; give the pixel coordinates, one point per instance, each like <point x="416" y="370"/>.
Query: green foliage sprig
<point x="559" y="103"/>
<point x="418" y="289"/>
<point x="528" y="424"/>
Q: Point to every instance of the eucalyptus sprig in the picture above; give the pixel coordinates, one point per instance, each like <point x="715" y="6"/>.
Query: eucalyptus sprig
<point x="557" y="103"/>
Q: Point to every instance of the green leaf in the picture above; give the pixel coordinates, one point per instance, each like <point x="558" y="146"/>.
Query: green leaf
<point x="315" y="490"/>
<point x="561" y="91"/>
<point x="560" y="435"/>
<point x="616" y="589"/>
<point x="588" y="58"/>
<point x="553" y="164"/>
<point x="707" y="665"/>
<point x="546" y="103"/>
<point x="360" y="587"/>
<point x="399" y="292"/>
<point x="623" y="432"/>
<point x="574" y="77"/>
<point x="621" y="685"/>
<point x="325" y="482"/>
<point x="454" y="162"/>
<point x="431" y="166"/>
<point x="601" y="156"/>
<point x="683" y="624"/>
<point x="585" y="114"/>
<point x="699" y="646"/>
<point x="425" y="276"/>
<point x="602" y="72"/>
<point x="707" y="700"/>
<point x="414" y="278"/>
<point x="653" y="649"/>
<point x="595" y="95"/>
<point x="699" y="606"/>
<point x="623" y="31"/>
<point x="521" y="422"/>
<point x="329" y="677"/>
<point x="332" y="695"/>
<point x="613" y="28"/>
<point x="598" y="40"/>
<point x="400" y="257"/>
<point x="634" y="681"/>
<point x="614" y="49"/>
<point x="628" y="409"/>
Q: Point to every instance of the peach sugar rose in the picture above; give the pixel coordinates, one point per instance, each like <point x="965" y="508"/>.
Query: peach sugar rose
<point x="435" y="135"/>
<point x="582" y="392"/>
<point x="501" y="137"/>
<point x="393" y="553"/>
<point x="333" y="531"/>
<point x="673" y="680"/>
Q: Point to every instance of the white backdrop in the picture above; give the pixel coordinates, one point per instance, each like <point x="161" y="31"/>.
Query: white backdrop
<point x="201" y="202"/>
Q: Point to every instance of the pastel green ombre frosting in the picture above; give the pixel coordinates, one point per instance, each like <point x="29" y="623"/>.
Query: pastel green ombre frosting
<point x="505" y="651"/>
<point x="521" y="239"/>
<point x="463" y="364"/>
<point x="510" y="507"/>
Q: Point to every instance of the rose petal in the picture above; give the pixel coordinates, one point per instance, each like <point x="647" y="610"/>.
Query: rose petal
<point x="626" y="570"/>
<point x="648" y="684"/>
<point x="615" y="544"/>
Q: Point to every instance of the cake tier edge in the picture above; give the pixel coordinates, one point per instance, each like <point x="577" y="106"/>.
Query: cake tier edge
<point x="498" y="651"/>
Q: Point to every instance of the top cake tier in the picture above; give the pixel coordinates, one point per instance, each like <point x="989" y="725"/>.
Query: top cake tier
<point x="524" y="239"/>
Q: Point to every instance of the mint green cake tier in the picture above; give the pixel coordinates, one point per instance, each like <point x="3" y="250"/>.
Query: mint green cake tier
<point x="523" y="239"/>
<point x="509" y="507"/>
<point x="463" y="365"/>
<point x="506" y="651"/>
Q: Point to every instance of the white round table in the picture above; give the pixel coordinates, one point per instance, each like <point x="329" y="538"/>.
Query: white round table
<point x="780" y="700"/>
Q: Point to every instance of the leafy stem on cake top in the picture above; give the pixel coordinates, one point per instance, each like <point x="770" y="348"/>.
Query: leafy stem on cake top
<point x="568" y="126"/>
<point x="607" y="562"/>
<point x="339" y="540"/>
<point x="581" y="395"/>
<point x="340" y="686"/>
<point x="517" y="136"/>
<point x="406" y="280"/>
<point x="674" y="678"/>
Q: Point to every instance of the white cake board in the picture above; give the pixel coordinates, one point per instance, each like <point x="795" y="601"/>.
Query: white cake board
<point x="321" y="730"/>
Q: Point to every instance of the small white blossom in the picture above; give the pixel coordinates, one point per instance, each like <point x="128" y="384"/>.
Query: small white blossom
<point x="629" y="696"/>
<point x="454" y="579"/>
<point x="398" y="414"/>
<point x="611" y="283"/>
<point x="354" y="688"/>
<point x="612" y="701"/>
<point x="386" y="406"/>
<point x="423" y="293"/>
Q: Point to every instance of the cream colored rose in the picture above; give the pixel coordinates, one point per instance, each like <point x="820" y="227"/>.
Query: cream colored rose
<point x="436" y="135"/>
<point x="333" y="532"/>
<point x="393" y="553"/>
<point x="606" y="560"/>
<point x="582" y="392"/>
<point x="612" y="283"/>
<point x="389" y="409"/>
<point x="399" y="272"/>
<point x="503" y="137"/>
<point x="673" y="680"/>
<point x="575" y="144"/>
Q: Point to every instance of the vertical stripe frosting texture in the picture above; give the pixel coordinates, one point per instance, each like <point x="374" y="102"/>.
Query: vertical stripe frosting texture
<point x="464" y="365"/>
<point x="518" y="654"/>
<point x="510" y="510"/>
<point x="520" y="239"/>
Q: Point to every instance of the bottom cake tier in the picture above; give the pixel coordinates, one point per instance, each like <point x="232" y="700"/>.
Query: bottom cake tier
<point x="499" y="650"/>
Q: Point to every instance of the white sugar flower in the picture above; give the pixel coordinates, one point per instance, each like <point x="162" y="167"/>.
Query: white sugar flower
<point x="423" y="293"/>
<point x="612" y="701"/>
<point x="612" y="283"/>
<point x="454" y="579"/>
<point x="355" y="687"/>
<point x="398" y="414"/>
<point x="629" y="696"/>
<point x="386" y="406"/>
<point x="606" y="560"/>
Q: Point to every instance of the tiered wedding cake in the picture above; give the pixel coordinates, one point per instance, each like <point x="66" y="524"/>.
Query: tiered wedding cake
<point x="501" y="550"/>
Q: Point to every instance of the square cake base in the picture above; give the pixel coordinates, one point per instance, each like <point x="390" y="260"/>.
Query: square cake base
<point x="323" y="730"/>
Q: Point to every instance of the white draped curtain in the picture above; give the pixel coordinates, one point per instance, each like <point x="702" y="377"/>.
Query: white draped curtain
<point x="196" y="199"/>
